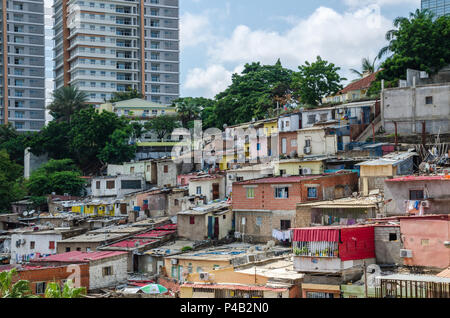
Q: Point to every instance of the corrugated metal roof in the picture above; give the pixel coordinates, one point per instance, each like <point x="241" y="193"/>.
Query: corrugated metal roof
<point x="420" y="178"/>
<point x="417" y="278"/>
<point x="445" y="273"/>
<point x="235" y="287"/>
<point x="78" y="257"/>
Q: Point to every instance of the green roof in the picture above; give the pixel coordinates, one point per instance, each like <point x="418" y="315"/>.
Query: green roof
<point x="140" y="103"/>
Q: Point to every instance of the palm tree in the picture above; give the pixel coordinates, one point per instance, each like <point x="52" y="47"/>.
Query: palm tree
<point x="67" y="101"/>
<point x="367" y="66"/>
<point x="69" y="291"/>
<point x="392" y="34"/>
<point x="20" y="289"/>
<point x="188" y="110"/>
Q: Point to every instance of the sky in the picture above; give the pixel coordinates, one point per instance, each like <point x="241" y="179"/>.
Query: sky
<point x="218" y="37"/>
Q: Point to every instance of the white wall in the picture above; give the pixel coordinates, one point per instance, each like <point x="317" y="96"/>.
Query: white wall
<point x="206" y="186"/>
<point x="317" y="114"/>
<point x="320" y="143"/>
<point x="41" y="245"/>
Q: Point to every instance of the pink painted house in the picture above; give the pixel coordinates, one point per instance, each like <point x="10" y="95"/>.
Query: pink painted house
<point x="426" y="240"/>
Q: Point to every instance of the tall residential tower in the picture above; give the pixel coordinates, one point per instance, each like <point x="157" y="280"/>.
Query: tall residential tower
<point x="438" y="7"/>
<point x="22" y="64"/>
<point x="107" y="46"/>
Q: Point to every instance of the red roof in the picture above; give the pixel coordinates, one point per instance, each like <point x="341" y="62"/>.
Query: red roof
<point x="316" y="235"/>
<point x="420" y="178"/>
<point x="132" y="243"/>
<point x="167" y="227"/>
<point x="363" y="83"/>
<point x="78" y="257"/>
<point x="235" y="287"/>
<point x="155" y="233"/>
<point x="291" y="179"/>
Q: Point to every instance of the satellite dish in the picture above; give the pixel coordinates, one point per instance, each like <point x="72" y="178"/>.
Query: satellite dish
<point x="25" y="213"/>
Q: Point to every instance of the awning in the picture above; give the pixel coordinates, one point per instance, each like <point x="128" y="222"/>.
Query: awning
<point x="316" y="235"/>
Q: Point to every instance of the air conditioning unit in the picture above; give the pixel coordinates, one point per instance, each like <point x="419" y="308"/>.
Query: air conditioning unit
<point x="425" y="204"/>
<point x="204" y="276"/>
<point x="306" y="171"/>
<point x="307" y="150"/>
<point x="405" y="253"/>
<point x="174" y="261"/>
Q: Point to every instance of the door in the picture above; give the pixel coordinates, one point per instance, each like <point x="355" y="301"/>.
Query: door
<point x="210" y="226"/>
<point x="135" y="263"/>
<point x="216" y="228"/>
<point x="283" y="146"/>
<point x="215" y="188"/>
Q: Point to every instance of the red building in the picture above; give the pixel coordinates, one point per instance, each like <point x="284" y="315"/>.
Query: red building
<point x="264" y="205"/>
<point x="338" y="250"/>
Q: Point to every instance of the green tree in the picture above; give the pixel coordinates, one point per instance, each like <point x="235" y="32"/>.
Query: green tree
<point x="11" y="188"/>
<point x="419" y="42"/>
<point x="127" y="95"/>
<point x="367" y="67"/>
<point x="67" y="101"/>
<point x="53" y="140"/>
<point x="53" y="290"/>
<point x="316" y="80"/>
<point x="189" y="109"/>
<point x="20" y="289"/>
<point x="59" y="176"/>
<point x="91" y="132"/>
<point x="251" y="94"/>
<point x="162" y="125"/>
<point x="14" y="143"/>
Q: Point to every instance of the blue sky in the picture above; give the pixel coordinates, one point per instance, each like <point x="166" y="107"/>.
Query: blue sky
<point x="219" y="36"/>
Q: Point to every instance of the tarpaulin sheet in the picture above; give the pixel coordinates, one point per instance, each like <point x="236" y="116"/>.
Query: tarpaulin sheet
<point x="316" y="235"/>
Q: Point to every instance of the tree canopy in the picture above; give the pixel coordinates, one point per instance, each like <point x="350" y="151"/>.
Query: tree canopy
<point x="67" y="101"/>
<point x="162" y="125"/>
<point x="59" y="176"/>
<point x="190" y="108"/>
<point x="11" y="188"/>
<point x="129" y="94"/>
<point x="419" y="42"/>
<point x="316" y="80"/>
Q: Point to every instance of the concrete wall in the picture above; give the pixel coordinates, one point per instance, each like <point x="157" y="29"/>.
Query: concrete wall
<point x="321" y="144"/>
<point x="291" y="143"/>
<point x="387" y="250"/>
<point x="117" y="190"/>
<point x="207" y="189"/>
<point x="41" y="246"/>
<point x="425" y="238"/>
<point x="32" y="162"/>
<point x="199" y="230"/>
<point x="407" y="106"/>
<point x="398" y="192"/>
<point x="317" y="114"/>
<point x="119" y="272"/>
<point x="168" y="178"/>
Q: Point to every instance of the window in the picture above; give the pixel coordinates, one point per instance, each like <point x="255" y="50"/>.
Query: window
<point x="293" y="142"/>
<point x="131" y="169"/>
<point x="425" y="242"/>
<point x="311" y="119"/>
<point x="78" y="249"/>
<point x="258" y="220"/>
<point x="107" y="271"/>
<point x="282" y="172"/>
<point x="282" y="193"/>
<point x="416" y="195"/>
<point x="429" y="100"/>
<point x="32" y="245"/>
<point x="176" y="202"/>
<point x="97" y="185"/>
<point x="51" y="245"/>
<point x="285" y="225"/>
<point x="110" y="184"/>
<point x="250" y="193"/>
<point x="67" y="249"/>
<point x="166" y="169"/>
<point x="392" y="237"/>
<point x="312" y="193"/>
<point x="192" y="219"/>
<point x="199" y="190"/>
<point x="323" y="117"/>
<point x="307" y="142"/>
<point x="40" y="288"/>
<point x="190" y="268"/>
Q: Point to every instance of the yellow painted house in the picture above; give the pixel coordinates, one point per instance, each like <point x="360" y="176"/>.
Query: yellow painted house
<point x="95" y="209"/>
<point x="138" y="108"/>
<point x="292" y="167"/>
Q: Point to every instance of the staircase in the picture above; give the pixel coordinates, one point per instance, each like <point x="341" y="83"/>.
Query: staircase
<point x="368" y="132"/>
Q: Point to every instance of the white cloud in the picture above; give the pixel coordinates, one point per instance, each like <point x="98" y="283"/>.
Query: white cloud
<point x="194" y="29"/>
<point x="211" y="80"/>
<point x="341" y="38"/>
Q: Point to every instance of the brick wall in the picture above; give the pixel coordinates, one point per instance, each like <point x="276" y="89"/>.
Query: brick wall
<point x="54" y="274"/>
<point x="328" y="188"/>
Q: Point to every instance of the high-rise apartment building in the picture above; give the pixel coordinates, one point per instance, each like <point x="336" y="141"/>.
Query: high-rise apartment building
<point x="438" y="7"/>
<point x="22" y="64"/>
<point x="107" y="46"/>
